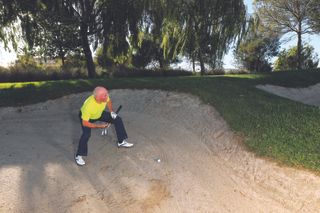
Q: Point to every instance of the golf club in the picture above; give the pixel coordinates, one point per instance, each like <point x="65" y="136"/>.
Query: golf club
<point x="105" y="130"/>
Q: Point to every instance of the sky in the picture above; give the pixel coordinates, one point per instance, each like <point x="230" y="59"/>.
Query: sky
<point x="7" y="57"/>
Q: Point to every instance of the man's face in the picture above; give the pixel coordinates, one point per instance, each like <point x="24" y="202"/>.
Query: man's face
<point x="102" y="97"/>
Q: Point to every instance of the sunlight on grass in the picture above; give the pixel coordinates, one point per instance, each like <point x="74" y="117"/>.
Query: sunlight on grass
<point x="246" y="76"/>
<point x="21" y="85"/>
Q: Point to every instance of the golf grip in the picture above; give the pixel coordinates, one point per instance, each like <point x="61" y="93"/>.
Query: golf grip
<point x="119" y="108"/>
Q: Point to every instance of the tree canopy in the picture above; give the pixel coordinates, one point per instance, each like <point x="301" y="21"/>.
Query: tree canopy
<point x="126" y="30"/>
<point x="209" y="27"/>
<point x="314" y="18"/>
<point x="257" y="47"/>
<point x="284" y="16"/>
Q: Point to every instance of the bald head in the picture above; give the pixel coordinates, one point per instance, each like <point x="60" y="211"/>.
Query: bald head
<point x="100" y="94"/>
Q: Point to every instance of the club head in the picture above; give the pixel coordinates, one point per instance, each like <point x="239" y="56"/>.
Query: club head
<point x="104" y="131"/>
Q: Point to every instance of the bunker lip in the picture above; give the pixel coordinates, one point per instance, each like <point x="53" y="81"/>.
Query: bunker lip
<point x="203" y="166"/>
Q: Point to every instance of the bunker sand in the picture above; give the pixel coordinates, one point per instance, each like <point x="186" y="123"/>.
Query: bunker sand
<point x="308" y="95"/>
<point x="203" y="168"/>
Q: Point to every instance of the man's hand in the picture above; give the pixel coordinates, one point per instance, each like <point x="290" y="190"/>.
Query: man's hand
<point x="104" y="125"/>
<point x="113" y="115"/>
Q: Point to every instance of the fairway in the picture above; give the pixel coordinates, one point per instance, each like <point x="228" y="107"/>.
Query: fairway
<point x="203" y="166"/>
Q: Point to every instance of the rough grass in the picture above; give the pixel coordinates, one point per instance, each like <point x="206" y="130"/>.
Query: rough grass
<point x="273" y="127"/>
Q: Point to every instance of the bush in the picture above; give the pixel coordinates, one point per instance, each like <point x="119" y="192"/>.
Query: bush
<point x="216" y="72"/>
<point x="121" y="71"/>
<point x="27" y="68"/>
<point x="226" y="71"/>
<point x="288" y="59"/>
<point x="23" y="73"/>
<point x="74" y="61"/>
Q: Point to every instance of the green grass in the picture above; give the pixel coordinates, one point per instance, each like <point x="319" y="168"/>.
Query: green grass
<point x="273" y="127"/>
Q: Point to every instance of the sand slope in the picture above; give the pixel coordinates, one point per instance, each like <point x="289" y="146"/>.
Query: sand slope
<point x="308" y="95"/>
<point x="203" y="168"/>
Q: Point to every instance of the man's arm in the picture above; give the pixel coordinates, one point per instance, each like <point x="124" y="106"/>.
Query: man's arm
<point x="109" y="105"/>
<point x="92" y="125"/>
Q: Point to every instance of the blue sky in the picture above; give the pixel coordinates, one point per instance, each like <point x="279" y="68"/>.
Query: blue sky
<point x="313" y="40"/>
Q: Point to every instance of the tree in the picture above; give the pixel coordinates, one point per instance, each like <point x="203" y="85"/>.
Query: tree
<point x="119" y="31"/>
<point x="287" y="59"/>
<point x="59" y="40"/>
<point x="139" y="27"/>
<point x="210" y="26"/>
<point x="56" y="32"/>
<point x="156" y="32"/>
<point x="257" y="48"/>
<point x="10" y="11"/>
<point x="314" y="15"/>
<point x="85" y="13"/>
<point x="65" y="23"/>
<point x="284" y="16"/>
<point x="145" y="53"/>
<point x="7" y="17"/>
<point x="254" y="54"/>
<point x="44" y="26"/>
<point x="171" y="25"/>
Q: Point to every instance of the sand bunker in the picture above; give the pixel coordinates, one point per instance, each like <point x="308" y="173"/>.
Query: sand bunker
<point x="309" y="95"/>
<point x="203" y="167"/>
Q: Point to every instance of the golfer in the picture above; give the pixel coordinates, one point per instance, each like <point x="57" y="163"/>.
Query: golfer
<point x="92" y="110"/>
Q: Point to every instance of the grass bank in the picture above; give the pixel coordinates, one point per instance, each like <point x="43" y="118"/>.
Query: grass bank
<point x="283" y="130"/>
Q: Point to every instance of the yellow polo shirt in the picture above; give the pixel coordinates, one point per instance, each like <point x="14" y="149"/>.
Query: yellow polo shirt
<point x="91" y="109"/>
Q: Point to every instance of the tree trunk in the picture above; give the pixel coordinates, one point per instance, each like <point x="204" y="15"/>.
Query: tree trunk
<point x="61" y="54"/>
<point x="201" y="62"/>
<point x="160" y="59"/>
<point x="193" y="63"/>
<point x="87" y="51"/>
<point x="299" y="52"/>
<point x="257" y="64"/>
<point x="62" y="60"/>
<point x="161" y="63"/>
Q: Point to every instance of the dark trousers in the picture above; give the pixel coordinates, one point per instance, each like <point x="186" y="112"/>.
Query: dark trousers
<point x="86" y="132"/>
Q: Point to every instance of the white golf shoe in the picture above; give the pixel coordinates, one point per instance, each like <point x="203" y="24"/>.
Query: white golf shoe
<point x="79" y="160"/>
<point x="124" y="143"/>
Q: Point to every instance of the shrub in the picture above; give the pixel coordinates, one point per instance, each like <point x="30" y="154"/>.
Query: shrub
<point x="121" y="71"/>
<point x="288" y="59"/>
<point x="25" y="73"/>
